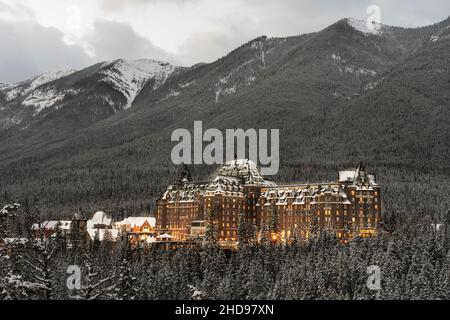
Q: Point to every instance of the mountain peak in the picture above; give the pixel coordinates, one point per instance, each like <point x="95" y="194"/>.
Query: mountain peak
<point x="130" y="76"/>
<point x="24" y="87"/>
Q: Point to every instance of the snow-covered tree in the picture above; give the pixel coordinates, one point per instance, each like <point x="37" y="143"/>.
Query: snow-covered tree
<point x="211" y="239"/>
<point x="97" y="282"/>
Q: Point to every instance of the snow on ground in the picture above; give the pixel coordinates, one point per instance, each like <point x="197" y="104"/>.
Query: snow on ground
<point x="362" y="26"/>
<point x="185" y="85"/>
<point x="172" y="93"/>
<point x="230" y="90"/>
<point x="434" y="38"/>
<point x="129" y="77"/>
<point x="49" y="77"/>
<point x="441" y="34"/>
<point x="22" y="88"/>
<point x="42" y="99"/>
<point x="342" y="65"/>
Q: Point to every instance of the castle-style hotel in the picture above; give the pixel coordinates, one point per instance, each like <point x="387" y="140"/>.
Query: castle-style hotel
<point x="348" y="207"/>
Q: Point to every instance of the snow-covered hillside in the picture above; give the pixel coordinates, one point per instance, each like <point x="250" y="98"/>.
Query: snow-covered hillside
<point x="22" y="88"/>
<point x="27" y="99"/>
<point x="366" y="27"/>
<point x="129" y="77"/>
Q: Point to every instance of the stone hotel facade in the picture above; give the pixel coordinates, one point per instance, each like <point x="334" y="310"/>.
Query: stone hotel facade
<point x="350" y="206"/>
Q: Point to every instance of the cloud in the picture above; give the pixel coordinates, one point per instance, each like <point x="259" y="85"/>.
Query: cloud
<point x="196" y="30"/>
<point x="29" y="49"/>
<point x="16" y="10"/>
<point x="210" y="45"/>
<point x="111" y="40"/>
<point x="116" y="5"/>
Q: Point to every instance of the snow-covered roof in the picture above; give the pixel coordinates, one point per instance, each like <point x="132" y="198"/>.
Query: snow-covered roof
<point x="137" y="221"/>
<point x="52" y="225"/>
<point x="164" y="236"/>
<point x="9" y="207"/>
<point x="245" y="169"/>
<point x="347" y="175"/>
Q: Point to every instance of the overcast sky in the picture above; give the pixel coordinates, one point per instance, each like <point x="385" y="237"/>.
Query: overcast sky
<point x="48" y="35"/>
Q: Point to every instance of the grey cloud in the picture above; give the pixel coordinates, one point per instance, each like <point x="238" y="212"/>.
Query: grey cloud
<point x="17" y="10"/>
<point x="292" y="17"/>
<point x="301" y="16"/>
<point x="29" y="49"/>
<point x="208" y="46"/>
<point x="115" y="5"/>
<point x="111" y="40"/>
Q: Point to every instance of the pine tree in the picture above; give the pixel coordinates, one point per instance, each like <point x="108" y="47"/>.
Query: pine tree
<point x="125" y="288"/>
<point x="94" y="285"/>
<point x="12" y="285"/>
<point x="211" y="240"/>
<point x="243" y="231"/>
<point x="274" y="224"/>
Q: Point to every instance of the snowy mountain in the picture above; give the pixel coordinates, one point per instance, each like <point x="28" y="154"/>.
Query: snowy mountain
<point x="111" y="85"/>
<point x="367" y="27"/>
<point x="129" y="77"/>
<point x="23" y="88"/>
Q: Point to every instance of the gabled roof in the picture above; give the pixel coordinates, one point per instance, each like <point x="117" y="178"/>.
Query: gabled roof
<point x="164" y="236"/>
<point x="138" y="221"/>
